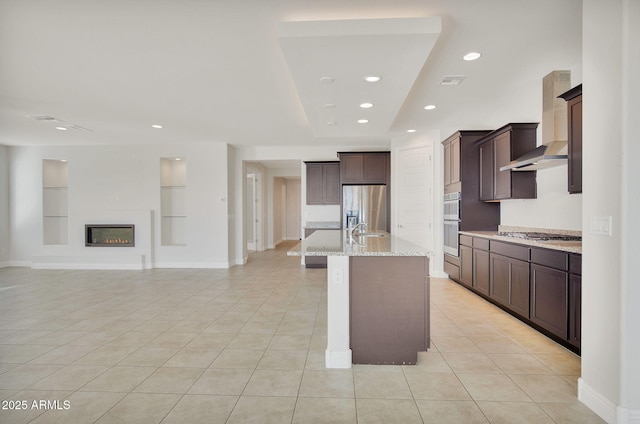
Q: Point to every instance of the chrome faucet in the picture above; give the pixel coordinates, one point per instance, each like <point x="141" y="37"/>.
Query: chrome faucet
<point x="355" y="227"/>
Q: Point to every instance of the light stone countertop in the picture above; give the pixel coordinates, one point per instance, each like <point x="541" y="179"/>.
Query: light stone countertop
<point x="337" y="243"/>
<point x="318" y="225"/>
<point x="565" y="246"/>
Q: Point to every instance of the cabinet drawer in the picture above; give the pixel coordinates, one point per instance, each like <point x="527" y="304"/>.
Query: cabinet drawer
<point x="452" y="270"/>
<point x="481" y="243"/>
<point x="455" y="260"/>
<point x="550" y="258"/>
<point x="575" y="264"/>
<point x="466" y="240"/>
<point x="510" y="250"/>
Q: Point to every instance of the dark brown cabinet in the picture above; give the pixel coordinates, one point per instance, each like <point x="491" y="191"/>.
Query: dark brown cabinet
<point x="550" y="290"/>
<point x="497" y="149"/>
<point x="509" y="283"/>
<point x="574" y="127"/>
<point x="575" y="300"/>
<point x="466" y="260"/>
<point x="509" y="276"/>
<point x="549" y="301"/>
<point x="452" y="164"/>
<point x="486" y="171"/>
<point x="540" y="286"/>
<point x="481" y="271"/>
<point x="323" y="183"/>
<point x="365" y="167"/>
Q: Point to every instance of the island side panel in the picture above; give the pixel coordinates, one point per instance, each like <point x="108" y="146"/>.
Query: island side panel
<point x="389" y="308"/>
<point x="338" y="354"/>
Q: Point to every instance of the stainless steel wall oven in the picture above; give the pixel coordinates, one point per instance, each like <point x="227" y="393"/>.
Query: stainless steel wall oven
<point x="451" y="222"/>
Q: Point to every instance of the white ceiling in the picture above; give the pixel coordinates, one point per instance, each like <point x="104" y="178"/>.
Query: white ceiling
<point x="215" y="70"/>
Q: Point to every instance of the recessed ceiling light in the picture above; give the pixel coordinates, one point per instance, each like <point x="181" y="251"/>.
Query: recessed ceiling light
<point x="411" y="131"/>
<point x="329" y="106"/>
<point x="156" y="126"/>
<point x="362" y="121"/>
<point x="63" y="160"/>
<point x="430" y="107"/>
<point x="332" y="123"/>
<point x="471" y="56"/>
<point x="366" y="105"/>
<point x="178" y="158"/>
<point x="61" y="128"/>
<point x="326" y="80"/>
<point x="372" y="78"/>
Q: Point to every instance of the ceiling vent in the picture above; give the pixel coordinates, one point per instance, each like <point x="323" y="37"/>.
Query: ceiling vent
<point x="452" y="79"/>
<point x="45" y="118"/>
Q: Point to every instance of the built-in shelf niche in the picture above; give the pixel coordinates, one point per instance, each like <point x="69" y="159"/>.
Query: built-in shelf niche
<point x="55" y="202"/>
<point x="173" y="201"/>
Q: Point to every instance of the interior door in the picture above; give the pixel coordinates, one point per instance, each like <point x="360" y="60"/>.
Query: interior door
<point x="414" y="195"/>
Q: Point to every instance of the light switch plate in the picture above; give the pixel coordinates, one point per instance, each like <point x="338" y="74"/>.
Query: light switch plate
<point x="600" y="225"/>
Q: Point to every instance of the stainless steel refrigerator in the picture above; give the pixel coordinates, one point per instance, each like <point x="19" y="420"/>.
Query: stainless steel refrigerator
<point x="365" y="203"/>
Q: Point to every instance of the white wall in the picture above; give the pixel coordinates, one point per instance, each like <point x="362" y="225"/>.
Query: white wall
<point x="554" y="207"/>
<point x="293" y="226"/>
<point x="610" y="382"/>
<point x="4" y="206"/>
<point x="123" y="182"/>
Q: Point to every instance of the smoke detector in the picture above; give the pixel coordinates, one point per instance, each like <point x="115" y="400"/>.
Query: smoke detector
<point x="452" y="79"/>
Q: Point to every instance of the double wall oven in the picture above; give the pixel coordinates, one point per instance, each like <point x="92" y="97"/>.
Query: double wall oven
<point x="451" y="222"/>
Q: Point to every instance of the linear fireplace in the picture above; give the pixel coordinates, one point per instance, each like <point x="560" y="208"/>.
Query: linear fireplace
<point x="110" y="235"/>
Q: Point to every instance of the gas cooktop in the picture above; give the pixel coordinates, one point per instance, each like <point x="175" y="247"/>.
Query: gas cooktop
<point x="539" y="236"/>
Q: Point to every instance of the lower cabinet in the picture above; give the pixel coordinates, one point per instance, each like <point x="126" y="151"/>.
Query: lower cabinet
<point x="509" y="283"/>
<point x="541" y="286"/>
<point x="481" y="272"/>
<point x="549" y="299"/>
<point x="466" y="265"/>
<point x="575" y="300"/>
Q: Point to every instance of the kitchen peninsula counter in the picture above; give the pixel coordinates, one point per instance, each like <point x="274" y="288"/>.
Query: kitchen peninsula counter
<point x="377" y="297"/>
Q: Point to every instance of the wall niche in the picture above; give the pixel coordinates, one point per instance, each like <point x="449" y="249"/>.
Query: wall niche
<point x="55" y="202"/>
<point x="173" y="201"/>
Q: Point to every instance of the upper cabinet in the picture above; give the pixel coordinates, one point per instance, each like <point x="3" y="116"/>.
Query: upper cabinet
<point x="365" y="167"/>
<point x="323" y="183"/>
<point x="574" y="114"/>
<point x="496" y="150"/>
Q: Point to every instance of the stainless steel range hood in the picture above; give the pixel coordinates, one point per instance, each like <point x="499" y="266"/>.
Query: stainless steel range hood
<point x="553" y="151"/>
<point x="544" y="156"/>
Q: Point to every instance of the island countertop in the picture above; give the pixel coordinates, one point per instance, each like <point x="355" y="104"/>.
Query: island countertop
<point x="337" y="243"/>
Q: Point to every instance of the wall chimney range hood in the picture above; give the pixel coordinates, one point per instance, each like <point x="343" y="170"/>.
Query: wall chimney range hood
<point x="553" y="151"/>
<point x="544" y="156"/>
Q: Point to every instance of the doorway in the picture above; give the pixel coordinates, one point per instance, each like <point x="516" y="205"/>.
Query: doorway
<point x="252" y="212"/>
<point x="415" y="195"/>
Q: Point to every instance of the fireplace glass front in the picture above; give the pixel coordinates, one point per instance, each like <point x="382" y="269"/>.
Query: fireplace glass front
<point x="110" y="235"/>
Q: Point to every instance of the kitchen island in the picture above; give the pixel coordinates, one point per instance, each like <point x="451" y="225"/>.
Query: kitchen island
<point x="377" y="297"/>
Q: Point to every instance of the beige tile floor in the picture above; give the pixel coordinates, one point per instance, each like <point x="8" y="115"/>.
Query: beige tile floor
<point x="246" y="345"/>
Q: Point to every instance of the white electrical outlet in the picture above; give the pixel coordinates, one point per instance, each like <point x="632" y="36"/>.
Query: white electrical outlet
<point x="600" y="225"/>
<point x="338" y="276"/>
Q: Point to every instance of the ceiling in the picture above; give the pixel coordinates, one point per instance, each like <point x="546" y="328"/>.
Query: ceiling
<point x="247" y="72"/>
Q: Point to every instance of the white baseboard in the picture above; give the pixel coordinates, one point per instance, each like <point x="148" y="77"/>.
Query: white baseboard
<point x="195" y="265"/>
<point x="439" y="274"/>
<point x="98" y="262"/>
<point x="5" y="264"/>
<point x="607" y="410"/>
